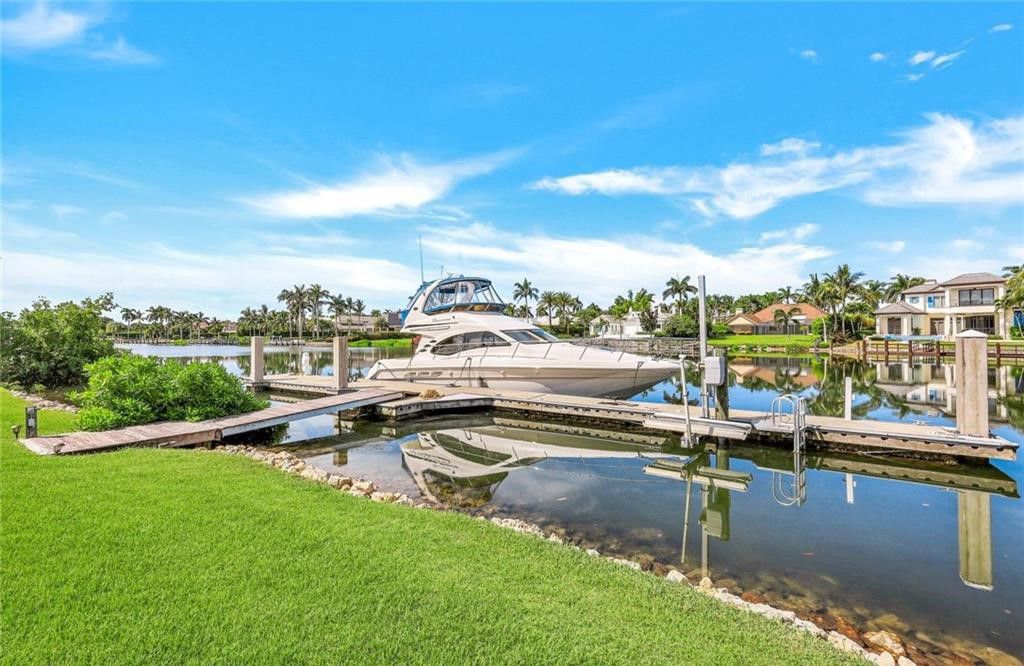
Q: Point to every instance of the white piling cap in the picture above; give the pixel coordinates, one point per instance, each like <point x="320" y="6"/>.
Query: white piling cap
<point x="971" y="334"/>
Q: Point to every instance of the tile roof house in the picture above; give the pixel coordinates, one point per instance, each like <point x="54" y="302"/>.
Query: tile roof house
<point x="763" y="321"/>
<point x="943" y="309"/>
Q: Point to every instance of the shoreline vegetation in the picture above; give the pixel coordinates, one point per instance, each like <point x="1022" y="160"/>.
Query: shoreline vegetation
<point x="144" y="573"/>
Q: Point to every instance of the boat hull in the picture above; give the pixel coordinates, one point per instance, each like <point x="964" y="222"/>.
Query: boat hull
<point x="592" y="381"/>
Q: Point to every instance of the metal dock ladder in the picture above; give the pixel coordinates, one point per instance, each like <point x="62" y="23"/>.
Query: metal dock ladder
<point x="794" y="419"/>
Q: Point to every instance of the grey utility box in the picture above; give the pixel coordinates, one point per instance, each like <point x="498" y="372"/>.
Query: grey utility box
<point x="714" y="370"/>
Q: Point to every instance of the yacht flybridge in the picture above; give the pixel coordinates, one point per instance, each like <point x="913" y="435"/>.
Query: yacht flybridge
<point x="465" y="339"/>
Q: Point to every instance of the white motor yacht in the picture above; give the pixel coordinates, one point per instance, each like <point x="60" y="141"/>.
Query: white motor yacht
<point x="464" y="338"/>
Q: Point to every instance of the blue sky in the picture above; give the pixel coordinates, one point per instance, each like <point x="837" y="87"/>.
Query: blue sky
<point x="204" y="156"/>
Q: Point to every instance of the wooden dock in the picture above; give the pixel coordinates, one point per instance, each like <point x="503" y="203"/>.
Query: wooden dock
<point x="742" y="424"/>
<point x="184" y="433"/>
<point x="925" y="350"/>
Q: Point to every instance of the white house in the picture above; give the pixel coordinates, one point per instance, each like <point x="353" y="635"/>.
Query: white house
<point x="943" y="309"/>
<point x="607" y="326"/>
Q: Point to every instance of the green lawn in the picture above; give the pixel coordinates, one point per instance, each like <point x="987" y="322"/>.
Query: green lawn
<point x="763" y="341"/>
<point x="177" y="556"/>
<point x="385" y="342"/>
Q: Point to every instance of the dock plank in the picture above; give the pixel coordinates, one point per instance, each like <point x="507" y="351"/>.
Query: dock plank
<point x="184" y="433"/>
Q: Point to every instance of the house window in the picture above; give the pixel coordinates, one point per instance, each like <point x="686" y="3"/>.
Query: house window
<point x="936" y="301"/>
<point x="977" y="296"/>
<point x="983" y="323"/>
<point x="913" y="299"/>
<point x="895" y="326"/>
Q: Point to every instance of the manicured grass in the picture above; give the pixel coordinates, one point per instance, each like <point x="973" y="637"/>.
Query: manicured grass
<point x="386" y="342"/>
<point x="176" y="556"/>
<point x="763" y="341"/>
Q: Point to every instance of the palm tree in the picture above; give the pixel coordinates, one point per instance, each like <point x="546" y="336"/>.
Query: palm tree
<point x="337" y="306"/>
<point x="1010" y="271"/>
<point x="300" y="301"/>
<point x="643" y="301"/>
<point x="316" y="296"/>
<point x="546" y="305"/>
<point x="873" y="292"/>
<point x="566" y="304"/>
<point x="785" y="318"/>
<point x="679" y="290"/>
<point x="287" y="297"/>
<point x="524" y="291"/>
<point x="843" y="283"/>
<point x="787" y="295"/>
<point x="130" y="315"/>
<point x="900" y="283"/>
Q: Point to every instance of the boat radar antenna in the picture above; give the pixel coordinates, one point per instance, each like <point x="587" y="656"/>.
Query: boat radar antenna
<point x="421" y="259"/>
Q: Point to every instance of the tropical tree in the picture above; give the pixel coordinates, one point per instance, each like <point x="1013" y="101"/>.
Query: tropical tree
<point x="300" y="296"/>
<point x="678" y="290"/>
<point x="524" y="291"/>
<point x="546" y="305"/>
<point x="873" y="292"/>
<point x="787" y="295"/>
<point x="785" y="318"/>
<point x="316" y="296"/>
<point x="130" y="316"/>
<point x="337" y="306"/>
<point x="843" y="283"/>
<point x="900" y="283"/>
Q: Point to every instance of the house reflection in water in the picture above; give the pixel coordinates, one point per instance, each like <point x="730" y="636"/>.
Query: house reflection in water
<point x="934" y="386"/>
<point x="465" y="466"/>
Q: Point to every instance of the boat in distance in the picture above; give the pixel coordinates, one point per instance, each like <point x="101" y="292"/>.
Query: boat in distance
<point x="466" y="339"/>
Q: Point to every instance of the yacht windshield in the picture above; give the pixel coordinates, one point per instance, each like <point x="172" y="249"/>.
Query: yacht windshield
<point x="531" y="335"/>
<point x="468" y="294"/>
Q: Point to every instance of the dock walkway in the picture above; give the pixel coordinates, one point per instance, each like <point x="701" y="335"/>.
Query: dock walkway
<point x="185" y="433"/>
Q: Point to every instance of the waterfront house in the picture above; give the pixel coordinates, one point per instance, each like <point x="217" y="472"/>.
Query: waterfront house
<point x="609" y="326"/>
<point x="762" y="322"/>
<point x="943" y="309"/>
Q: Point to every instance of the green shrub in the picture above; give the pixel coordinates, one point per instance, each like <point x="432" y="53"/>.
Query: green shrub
<point x="128" y="390"/>
<point x="50" y="344"/>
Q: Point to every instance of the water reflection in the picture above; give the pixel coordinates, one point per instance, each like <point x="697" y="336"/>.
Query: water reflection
<point x="872" y="536"/>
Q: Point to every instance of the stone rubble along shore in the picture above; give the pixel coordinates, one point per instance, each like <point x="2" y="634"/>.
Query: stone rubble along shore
<point x="888" y="647"/>
<point x="44" y="403"/>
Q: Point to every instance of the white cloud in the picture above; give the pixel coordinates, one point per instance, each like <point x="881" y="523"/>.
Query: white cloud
<point x="809" y="54"/>
<point x="124" y="53"/>
<point x="878" y="56"/>
<point x="1001" y="27"/>
<point x="912" y="78"/>
<point x="62" y="211"/>
<point x="396" y="185"/>
<point x="891" y="247"/>
<point x="946" y="161"/>
<point x="965" y="245"/>
<point x="43" y="27"/>
<point x="217" y="283"/>
<point x="946" y="59"/>
<point x="598" y="269"/>
<point x="790" y="146"/>
<point x="797" y="233"/>
<point x="921" y="57"/>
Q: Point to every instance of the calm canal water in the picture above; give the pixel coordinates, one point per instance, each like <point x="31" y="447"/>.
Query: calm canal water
<point x="932" y="551"/>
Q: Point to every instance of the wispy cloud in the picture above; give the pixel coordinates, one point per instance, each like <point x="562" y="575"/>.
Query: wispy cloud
<point x="62" y="211"/>
<point x="949" y="160"/>
<point x="797" y="233"/>
<point x="809" y="54"/>
<point x="124" y="53"/>
<point x="965" y="245"/>
<point x="395" y="184"/>
<point x="920" y="57"/>
<point x="600" y="268"/>
<point x="878" y="56"/>
<point x="947" y="59"/>
<point x="44" y="27"/>
<point x="891" y="247"/>
<point x="1001" y="27"/>
<point x="912" y="78"/>
<point x="790" y="146"/>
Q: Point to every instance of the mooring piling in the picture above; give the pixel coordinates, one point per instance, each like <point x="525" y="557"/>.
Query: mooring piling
<point x="256" y="361"/>
<point x="340" y="352"/>
<point x="971" y="376"/>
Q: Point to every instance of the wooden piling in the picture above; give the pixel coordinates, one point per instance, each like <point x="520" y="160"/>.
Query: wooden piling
<point x="848" y="399"/>
<point x="340" y="362"/>
<point x="256" y="361"/>
<point x="971" y="367"/>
